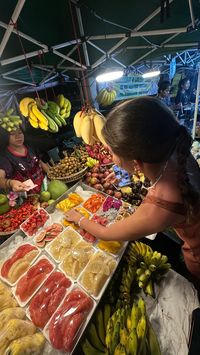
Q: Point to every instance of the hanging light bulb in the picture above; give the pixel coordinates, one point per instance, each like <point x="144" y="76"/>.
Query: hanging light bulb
<point x="109" y="75"/>
<point x="151" y="74"/>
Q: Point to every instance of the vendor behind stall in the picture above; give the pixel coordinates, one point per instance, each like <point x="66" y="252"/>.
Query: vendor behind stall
<point x="19" y="162"/>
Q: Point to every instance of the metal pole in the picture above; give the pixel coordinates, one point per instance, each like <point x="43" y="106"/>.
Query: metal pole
<point x="196" y="106"/>
<point x="23" y="35"/>
<point x="17" y="80"/>
<point x="82" y="33"/>
<point x="137" y="28"/>
<point x="10" y="27"/>
<point x="141" y="33"/>
<point x="69" y="59"/>
<point x="191" y="13"/>
<point x="22" y="57"/>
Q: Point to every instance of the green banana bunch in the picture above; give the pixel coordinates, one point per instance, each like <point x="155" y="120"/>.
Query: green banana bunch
<point x="120" y="350"/>
<point x="53" y="107"/>
<point x="89" y="349"/>
<point x="99" y="323"/>
<point x="126" y="283"/>
<point x="52" y="125"/>
<point x="10" y="122"/>
<point x="64" y="105"/>
<point x="94" y="337"/>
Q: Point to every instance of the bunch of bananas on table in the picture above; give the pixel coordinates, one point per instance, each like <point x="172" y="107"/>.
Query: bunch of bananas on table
<point x="49" y="116"/>
<point x="146" y="267"/>
<point x="106" y="97"/>
<point x="10" y="122"/>
<point x="130" y="332"/>
<point x="88" y="124"/>
<point x="94" y="342"/>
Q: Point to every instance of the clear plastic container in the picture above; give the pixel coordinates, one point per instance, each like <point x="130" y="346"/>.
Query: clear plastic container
<point x="68" y="322"/>
<point x="94" y="203"/>
<point x="32" y="280"/>
<point x="18" y="263"/>
<point x="61" y="245"/>
<point x="48" y="298"/>
<point x="97" y="273"/>
<point x="76" y="259"/>
<point x="32" y="225"/>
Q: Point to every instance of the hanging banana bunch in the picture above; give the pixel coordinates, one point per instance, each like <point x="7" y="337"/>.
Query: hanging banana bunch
<point x="10" y="122"/>
<point x="106" y="97"/>
<point x="49" y="116"/>
<point x="88" y="125"/>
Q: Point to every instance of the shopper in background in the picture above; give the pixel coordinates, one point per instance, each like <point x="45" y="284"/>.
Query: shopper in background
<point x="164" y="92"/>
<point x="18" y="162"/>
<point x="182" y="99"/>
<point x="143" y="134"/>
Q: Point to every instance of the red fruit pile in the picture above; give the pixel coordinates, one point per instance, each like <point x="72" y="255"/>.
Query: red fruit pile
<point x="11" y="220"/>
<point x="99" y="152"/>
<point x="33" y="279"/>
<point x="47" y="300"/>
<point x="68" y="319"/>
<point x="35" y="222"/>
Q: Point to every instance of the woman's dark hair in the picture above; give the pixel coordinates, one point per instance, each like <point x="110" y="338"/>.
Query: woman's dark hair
<point x="145" y="129"/>
<point x="163" y="85"/>
<point x="182" y="82"/>
<point x="4" y="139"/>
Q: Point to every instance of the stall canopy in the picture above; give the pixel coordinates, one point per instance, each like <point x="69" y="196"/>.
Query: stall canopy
<point x="43" y="40"/>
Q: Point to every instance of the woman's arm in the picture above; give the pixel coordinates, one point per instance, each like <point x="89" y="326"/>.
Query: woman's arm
<point x="148" y="219"/>
<point x="44" y="166"/>
<point x="9" y="184"/>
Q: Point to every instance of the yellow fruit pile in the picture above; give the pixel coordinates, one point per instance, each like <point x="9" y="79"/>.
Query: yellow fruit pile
<point x="88" y="125"/>
<point x="49" y="116"/>
<point x="106" y="97"/>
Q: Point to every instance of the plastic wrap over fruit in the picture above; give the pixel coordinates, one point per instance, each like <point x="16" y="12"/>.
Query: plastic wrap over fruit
<point x="49" y="297"/>
<point x="94" y="202"/>
<point x="68" y="319"/>
<point x="6" y="298"/>
<point x="111" y="202"/>
<point x="63" y="243"/>
<point x="19" y="262"/>
<point x="97" y="272"/>
<point x="34" y="277"/>
<point x="77" y="258"/>
<point x="29" y="344"/>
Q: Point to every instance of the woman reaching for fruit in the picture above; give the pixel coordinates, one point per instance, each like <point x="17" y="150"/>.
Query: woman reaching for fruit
<point x="143" y="134"/>
<point x="18" y="163"/>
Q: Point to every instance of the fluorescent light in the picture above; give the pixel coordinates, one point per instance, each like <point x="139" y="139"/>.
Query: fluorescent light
<point x="151" y="74"/>
<point x="112" y="75"/>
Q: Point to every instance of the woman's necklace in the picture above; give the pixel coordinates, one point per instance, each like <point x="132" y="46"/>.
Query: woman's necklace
<point x="159" y="177"/>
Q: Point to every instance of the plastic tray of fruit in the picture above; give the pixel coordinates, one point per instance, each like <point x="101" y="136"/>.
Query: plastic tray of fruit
<point x="48" y="234"/>
<point x="32" y="280"/>
<point x="126" y="210"/>
<point x="68" y="323"/>
<point x="35" y="222"/>
<point x="96" y="275"/>
<point x="77" y="259"/>
<point x="60" y="246"/>
<point x="94" y="203"/>
<point x="114" y="248"/>
<point x="18" y="263"/>
<point x="49" y="297"/>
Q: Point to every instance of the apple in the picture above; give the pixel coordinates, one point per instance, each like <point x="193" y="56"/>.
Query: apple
<point x="95" y="175"/>
<point x="45" y="196"/>
<point x="94" y="181"/>
<point x="110" y="192"/>
<point x="118" y="194"/>
<point x="98" y="187"/>
<point x="106" y="185"/>
<point x="88" y="174"/>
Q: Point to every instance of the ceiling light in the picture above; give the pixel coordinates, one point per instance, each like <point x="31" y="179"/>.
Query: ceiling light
<point x="151" y="74"/>
<point x="109" y="76"/>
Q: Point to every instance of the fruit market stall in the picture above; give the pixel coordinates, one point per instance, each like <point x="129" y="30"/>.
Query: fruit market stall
<point x="54" y="276"/>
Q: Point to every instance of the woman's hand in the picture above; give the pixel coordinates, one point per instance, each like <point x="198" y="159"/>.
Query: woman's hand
<point x="111" y="178"/>
<point x="16" y="186"/>
<point x="73" y="216"/>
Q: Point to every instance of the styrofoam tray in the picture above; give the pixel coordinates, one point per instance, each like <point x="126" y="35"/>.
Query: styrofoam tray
<point x="47" y="248"/>
<point x="66" y="292"/>
<point x="82" y="327"/>
<point x="39" y="229"/>
<point x="23" y="304"/>
<point x="32" y="262"/>
<point x="98" y="297"/>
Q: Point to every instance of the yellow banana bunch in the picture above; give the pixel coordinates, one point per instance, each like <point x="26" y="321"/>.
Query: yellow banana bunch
<point x="106" y="97"/>
<point x="88" y="124"/>
<point x="65" y="106"/>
